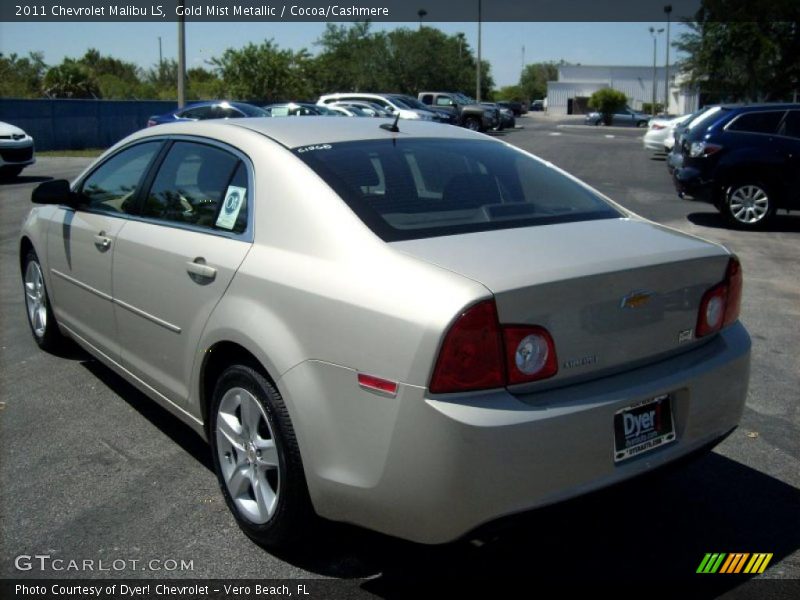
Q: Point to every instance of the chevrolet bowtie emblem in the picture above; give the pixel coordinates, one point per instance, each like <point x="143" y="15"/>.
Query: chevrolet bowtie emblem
<point x="636" y="299"/>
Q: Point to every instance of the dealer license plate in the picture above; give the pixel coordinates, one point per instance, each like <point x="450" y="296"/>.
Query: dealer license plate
<point x="643" y="427"/>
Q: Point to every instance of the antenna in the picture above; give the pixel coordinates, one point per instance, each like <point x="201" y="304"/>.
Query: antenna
<point x="393" y="127"/>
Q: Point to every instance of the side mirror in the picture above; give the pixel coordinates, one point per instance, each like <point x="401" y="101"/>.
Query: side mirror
<point x="56" y="191"/>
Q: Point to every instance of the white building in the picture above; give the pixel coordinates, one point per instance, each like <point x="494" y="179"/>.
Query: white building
<point x="570" y="94"/>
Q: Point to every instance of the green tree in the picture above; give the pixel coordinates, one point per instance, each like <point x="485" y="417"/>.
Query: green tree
<point x="203" y="84"/>
<point x="534" y="78"/>
<point x="264" y="72"/>
<point x="607" y="101"/>
<point x="352" y="58"/>
<point x="70" y="79"/>
<point x="743" y="51"/>
<point x="510" y="92"/>
<point x="21" y="77"/>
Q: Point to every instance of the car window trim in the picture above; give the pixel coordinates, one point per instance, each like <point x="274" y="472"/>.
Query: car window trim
<point x="157" y="157"/>
<point x="247" y="235"/>
<point x="167" y="141"/>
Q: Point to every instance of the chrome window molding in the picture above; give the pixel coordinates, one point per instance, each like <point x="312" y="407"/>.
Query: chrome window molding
<point x="247" y="235"/>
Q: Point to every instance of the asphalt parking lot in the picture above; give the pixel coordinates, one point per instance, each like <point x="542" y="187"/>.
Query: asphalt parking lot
<point x="91" y="469"/>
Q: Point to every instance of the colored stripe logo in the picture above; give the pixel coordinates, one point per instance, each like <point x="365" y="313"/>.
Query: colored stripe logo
<point x="736" y="562"/>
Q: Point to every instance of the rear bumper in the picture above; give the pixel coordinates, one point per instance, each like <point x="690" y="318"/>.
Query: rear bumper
<point x="656" y="144"/>
<point x="689" y="181"/>
<point x="440" y="467"/>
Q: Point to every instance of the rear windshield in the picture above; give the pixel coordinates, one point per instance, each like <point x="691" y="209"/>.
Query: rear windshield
<point x="418" y="188"/>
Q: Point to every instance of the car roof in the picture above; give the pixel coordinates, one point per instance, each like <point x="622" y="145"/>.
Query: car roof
<point x="761" y="106"/>
<point x="296" y="133"/>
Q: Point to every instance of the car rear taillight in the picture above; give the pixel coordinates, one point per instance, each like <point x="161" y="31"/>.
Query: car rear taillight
<point x="656" y="126"/>
<point x="478" y="353"/>
<point x="721" y="304"/>
<point x="151" y="122"/>
<point x="471" y="356"/>
<point x="702" y="149"/>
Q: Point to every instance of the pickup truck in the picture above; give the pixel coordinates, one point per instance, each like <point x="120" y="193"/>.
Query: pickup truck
<point x="468" y="113"/>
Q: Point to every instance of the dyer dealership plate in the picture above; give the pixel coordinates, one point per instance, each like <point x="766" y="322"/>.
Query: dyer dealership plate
<point x="643" y="427"/>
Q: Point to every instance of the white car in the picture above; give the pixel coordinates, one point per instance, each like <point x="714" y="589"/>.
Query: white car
<point x="660" y="136"/>
<point x="16" y="150"/>
<point x="391" y="103"/>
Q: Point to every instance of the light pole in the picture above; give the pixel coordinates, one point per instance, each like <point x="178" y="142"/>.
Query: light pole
<point x="181" y="60"/>
<point x="421" y="14"/>
<point x="668" y="10"/>
<point x="654" y="32"/>
<point x="478" y="69"/>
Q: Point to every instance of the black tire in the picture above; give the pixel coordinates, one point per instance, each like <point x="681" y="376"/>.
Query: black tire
<point x="46" y="334"/>
<point x="641" y="124"/>
<point x="10" y="172"/>
<point x="748" y="204"/>
<point x="473" y="124"/>
<point x="292" y="518"/>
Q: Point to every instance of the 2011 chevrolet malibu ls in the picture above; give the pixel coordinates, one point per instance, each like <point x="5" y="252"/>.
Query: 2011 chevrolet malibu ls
<point x="413" y="327"/>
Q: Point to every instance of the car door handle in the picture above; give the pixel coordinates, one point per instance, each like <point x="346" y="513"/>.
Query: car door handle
<point x="199" y="268"/>
<point x="102" y="241"/>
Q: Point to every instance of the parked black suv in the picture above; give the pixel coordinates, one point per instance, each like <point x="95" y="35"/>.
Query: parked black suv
<point x="745" y="160"/>
<point x="468" y="113"/>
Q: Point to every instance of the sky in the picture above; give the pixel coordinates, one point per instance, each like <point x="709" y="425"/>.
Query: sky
<point x="502" y="43"/>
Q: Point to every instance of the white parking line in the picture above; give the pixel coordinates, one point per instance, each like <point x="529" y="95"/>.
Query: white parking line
<point x="609" y="136"/>
<point x="554" y="133"/>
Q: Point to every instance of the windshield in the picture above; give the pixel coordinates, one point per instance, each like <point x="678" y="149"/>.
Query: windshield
<point x="417" y="188"/>
<point x="704" y="116"/>
<point x="413" y="102"/>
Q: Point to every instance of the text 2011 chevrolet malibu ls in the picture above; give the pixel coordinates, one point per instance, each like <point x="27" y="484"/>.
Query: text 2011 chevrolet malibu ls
<point x="417" y="331"/>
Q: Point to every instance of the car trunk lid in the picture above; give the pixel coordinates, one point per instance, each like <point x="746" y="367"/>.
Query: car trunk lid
<point x="614" y="293"/>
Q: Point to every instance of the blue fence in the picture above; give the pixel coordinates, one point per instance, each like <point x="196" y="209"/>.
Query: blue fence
<point x="78" y="124"/>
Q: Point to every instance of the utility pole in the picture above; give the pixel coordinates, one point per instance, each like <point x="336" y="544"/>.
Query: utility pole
<point x="668" y="10"/>
<point x="654" y="32"/>
<point x="478" y="69"/>
<point x="421" y="14"/>
<point x="523" y="59"/>
<point x="160" y="56"/>
<point x="181" y="61"/>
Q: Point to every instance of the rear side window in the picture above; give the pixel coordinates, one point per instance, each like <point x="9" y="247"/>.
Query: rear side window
<point x="418" y="188"/>
<point x="791" y="126"/>
<point x="200" y="185"/>
<point x="200" y="112"/>
<point x="757" y="122"/>
<point x="112" y="186"/>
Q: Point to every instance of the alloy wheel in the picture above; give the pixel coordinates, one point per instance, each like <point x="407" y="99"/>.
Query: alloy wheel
<point x="36" y="298"/>
<point x="748" y="204"/>
<point x="248" y="455"/>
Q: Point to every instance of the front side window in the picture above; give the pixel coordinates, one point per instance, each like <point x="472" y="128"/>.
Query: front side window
<point x="418" y="188"/>
<point x="757" y="122"/>
<point x="112" y="187"/>
<point x="200" y="185"/>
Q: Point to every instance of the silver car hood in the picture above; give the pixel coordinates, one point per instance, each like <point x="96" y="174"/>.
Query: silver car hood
<point x="508" y="259"/>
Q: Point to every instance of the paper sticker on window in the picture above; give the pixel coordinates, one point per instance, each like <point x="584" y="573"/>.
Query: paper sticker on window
<point x="234" y="198"/>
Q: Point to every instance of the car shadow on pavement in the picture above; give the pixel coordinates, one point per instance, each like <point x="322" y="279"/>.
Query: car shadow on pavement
<point x="171" y="426"/>
<point x="780" y="223"/>
<point x="20" y="179"/>
<point x="655" y="528"/>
